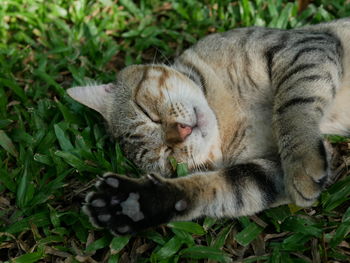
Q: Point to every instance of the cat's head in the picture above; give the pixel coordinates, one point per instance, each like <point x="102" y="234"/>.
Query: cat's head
<point x="156" y="112"/>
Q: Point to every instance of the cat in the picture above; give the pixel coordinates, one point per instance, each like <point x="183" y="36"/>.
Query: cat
<point x="245" y="109"/>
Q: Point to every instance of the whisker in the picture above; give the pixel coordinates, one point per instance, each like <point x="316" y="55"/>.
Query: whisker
<point x="197" y="166"/>
<point x="167" y="91"/>
<point x="154" y="57"/>
<point x="162" y="54"/>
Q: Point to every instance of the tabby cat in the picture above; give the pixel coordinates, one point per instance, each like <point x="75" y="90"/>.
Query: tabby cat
<point x="245" y="109"/>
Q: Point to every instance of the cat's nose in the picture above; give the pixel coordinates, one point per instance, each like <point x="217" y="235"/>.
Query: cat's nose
<point x="177" y="133"/>
<point x="184" y="130"/>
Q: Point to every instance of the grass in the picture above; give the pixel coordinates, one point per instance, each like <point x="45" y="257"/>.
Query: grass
<point x="52" y="148"/>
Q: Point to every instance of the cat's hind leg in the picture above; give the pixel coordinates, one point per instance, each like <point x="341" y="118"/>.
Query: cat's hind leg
<point x="303" y="95"/>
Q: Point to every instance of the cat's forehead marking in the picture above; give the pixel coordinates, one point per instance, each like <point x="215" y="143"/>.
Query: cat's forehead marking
<point x="144" y="77"/>
<point x="151" y="86"/>
<point x="159" y="73"/>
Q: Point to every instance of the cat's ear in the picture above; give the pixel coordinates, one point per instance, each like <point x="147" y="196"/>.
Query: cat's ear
<point x="96" y="97"/>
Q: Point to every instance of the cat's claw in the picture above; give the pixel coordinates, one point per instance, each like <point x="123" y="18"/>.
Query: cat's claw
<point x="125" y="205"/>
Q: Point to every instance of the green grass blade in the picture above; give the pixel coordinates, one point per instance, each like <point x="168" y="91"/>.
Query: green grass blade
<point x="170" y="248"/>
<point x="248" y="234"/>
<point x="189" y="227"/>
<point x="98" y="244"/>
<point x="7" y="144"/>
<point x="25" y="189"/>
<point x="118" y="243"/>
<point x="29" y="258"/>
<point x="201" y="252"/>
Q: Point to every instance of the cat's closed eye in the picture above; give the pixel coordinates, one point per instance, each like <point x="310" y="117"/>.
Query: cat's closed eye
<point x="151" y="116"/>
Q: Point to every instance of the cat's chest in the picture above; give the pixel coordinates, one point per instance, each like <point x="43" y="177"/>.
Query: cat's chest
<point x="260" y="140"/>
<point x="247" y="134"/>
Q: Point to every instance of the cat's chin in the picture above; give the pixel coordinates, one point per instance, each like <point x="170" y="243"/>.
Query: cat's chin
<point x="206" y="149"/>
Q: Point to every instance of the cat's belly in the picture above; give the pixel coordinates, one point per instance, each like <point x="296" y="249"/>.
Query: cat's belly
<point x="261" y="142"/>
<point x="254" y="139"/>
<point x="337" y="119"/>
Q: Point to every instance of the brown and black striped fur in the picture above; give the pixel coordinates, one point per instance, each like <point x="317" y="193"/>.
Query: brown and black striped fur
<point x="245" y="109"/>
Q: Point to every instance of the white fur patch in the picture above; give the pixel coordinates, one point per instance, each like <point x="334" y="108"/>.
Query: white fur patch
<point x="181" y="205"/>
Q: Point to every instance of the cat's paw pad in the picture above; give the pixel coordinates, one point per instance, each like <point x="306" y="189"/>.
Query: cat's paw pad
<point x="125" y="205"/>
<point x="115" y="204"/>
<point x="306" y="178"/>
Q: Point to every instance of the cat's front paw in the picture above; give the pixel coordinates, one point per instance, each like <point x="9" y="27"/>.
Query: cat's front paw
<point x="125" y="205"/>
<point x="306" y="176"/>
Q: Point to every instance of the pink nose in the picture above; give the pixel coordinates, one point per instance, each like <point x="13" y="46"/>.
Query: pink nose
<point x="184" y="130"/>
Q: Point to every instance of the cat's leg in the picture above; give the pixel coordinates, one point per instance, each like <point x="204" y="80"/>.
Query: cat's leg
<point x="304" y="93"/>
<point x="126" y="205"/>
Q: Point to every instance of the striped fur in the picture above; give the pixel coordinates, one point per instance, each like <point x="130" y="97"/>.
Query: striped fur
<point x="246" y="109"/>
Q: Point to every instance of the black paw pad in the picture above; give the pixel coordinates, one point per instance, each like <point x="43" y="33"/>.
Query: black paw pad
<point x="125" y="205"/>
<point x="131" y="207"/>
<point x="112" y="182"/>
